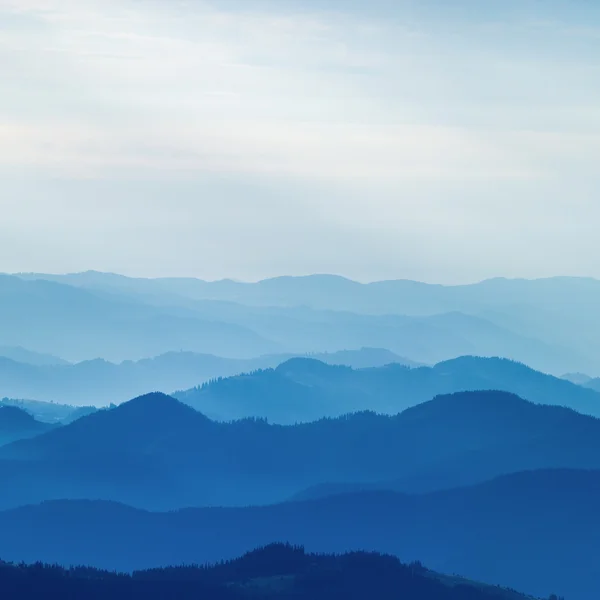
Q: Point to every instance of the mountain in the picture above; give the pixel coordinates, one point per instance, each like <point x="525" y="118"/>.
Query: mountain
<point x="101" y="382"/>
<point x="275" y="571"/>
<point x="577" y="378"/>
<point x="302" y="390"/>
<point x="518" y="531"/>
<point x="159" y="454"/>
<point x="16" y="424"/>
<point x="364" y="358"/>
<point x="78" y="324"/>
<point x="23" y="355"/>
<point x="129" y="318"/>
<point x="50" y="412"/>
<point x="331" y="292"/>
<point x="593" y="384"/>
<point x="558" y="311"/>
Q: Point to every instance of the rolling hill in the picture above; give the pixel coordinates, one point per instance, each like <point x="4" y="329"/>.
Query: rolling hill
<point x="77" y="324"/>
<point x="16" y="424"/>
<point x="157" y="453"/>
<point x="100" y="382"/>
<point x="302" y="390"/>
<point x="275" y="571"/>
<point x="518" y="531"/>
<point x="558" y="312"/>
<point x="120" y="322"/>
<point x="22" y="355"/>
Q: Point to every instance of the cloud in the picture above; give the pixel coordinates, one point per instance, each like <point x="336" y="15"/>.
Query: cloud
<point x="378" y="126"/>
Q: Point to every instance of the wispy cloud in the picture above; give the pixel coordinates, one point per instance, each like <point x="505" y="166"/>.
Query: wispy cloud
<point x="403" y="112"/>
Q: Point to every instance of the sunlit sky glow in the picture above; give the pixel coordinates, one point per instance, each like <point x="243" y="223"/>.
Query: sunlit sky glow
<point x="441" y="141"/>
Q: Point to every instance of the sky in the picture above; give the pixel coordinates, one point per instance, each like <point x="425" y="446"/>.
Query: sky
<point x="445" y="141"/>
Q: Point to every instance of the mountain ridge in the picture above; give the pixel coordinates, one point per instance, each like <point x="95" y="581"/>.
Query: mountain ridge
<point x="302" y="390"/>
<point x="157" y="453"/>
<point x="463" y="531"/>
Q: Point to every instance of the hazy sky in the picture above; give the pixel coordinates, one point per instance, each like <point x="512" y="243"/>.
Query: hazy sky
<point x="441" y="140"/>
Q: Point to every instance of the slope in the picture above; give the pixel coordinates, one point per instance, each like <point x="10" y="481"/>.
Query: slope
<point x="519" y="531"/>
<point x="157" y="453"/>
<point x="303" y="390"/>
<point x="78" y="324"/>
<point x="101" y="382"/>
<point x="16" y="424"/>
<point x="274" y="571"/>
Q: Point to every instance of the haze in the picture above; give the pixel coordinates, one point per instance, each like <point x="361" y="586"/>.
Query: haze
<point x="252" y="138"/>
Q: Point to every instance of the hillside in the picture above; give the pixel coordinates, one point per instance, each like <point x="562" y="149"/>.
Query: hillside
<point x="593" y="384"/>
<point x="157" y="453"/>
<point x="78" y="324"/>
<point x="302" y="390"/>
<point x="50" y="412"/>
<point x="120" y="323"/>
<point x="558" y="312"/>
<point x="518" y="531"/>
<point x="101" y="382"/>
<point x="274" y="571"/>
<point x="16" y="424"/>
<point x="23" y="355"/>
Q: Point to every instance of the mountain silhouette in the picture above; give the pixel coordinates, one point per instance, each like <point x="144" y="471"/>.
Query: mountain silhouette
<point x="16" y="424"/>
<point x="50" y="412"/>
<point x="302" y="390"/>
<point x="101" y="382"/>
<point x="593" y="384"/>
<point x="79" y="324"/>
<point x="22" y="355"/>
<point x="558" y="312"/>
<point x="81" y="318"/>
<point x="518" y="531"/>
<point x="277" y="570"/>
<point x="157" y="453"/>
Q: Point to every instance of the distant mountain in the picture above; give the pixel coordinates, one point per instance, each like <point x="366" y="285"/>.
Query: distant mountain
<point x="50" y="412"/>
<point x="78" y="324"/>
<point x="276" y="571"/>
<point x="577" y="378"/>
<point x="559" y="312"/>
<point x="302" y="390"/>
<point x="331" y="292"/>
<point x="519" y="531"/>
<point x="157" y="453"/>
<point x="593" y="384"/>
<point x="129" y="318"/>
<point x="23" y="355"/>
<point x="364" y="358"/>
<point x="100" y="382"/>
<point x="17" y="424"/>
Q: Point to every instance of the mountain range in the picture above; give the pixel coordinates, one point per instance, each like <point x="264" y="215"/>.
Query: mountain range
<point x="278" y="571"/>
<point x="557" y="315"/>
<point x="159" y="454"/>
<point x="86" y="317"/>
<point x="17" y="424"/>
<point x="302" y="390"/>
<point x="534" y="531"/>
<point x="101" y="382"/>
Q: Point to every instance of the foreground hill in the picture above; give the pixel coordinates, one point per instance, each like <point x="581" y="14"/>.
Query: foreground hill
<point x="520" y="531"/>
<point x="101" y="382"/>
<point x="16" y="424"/>
<point x="157" y="453"/>
<point x="274" y="571"/>
<point x="302" y="390"/>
